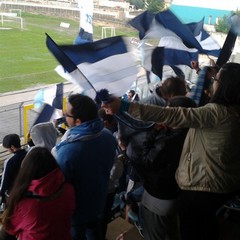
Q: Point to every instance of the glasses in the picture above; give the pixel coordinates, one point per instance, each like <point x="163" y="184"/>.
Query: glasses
<point x="214" y="79"/>
<point x="67" y="115"/>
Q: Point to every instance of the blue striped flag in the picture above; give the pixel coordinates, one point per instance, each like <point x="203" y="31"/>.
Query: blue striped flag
<point x="49" y="99"/>
<point x="50" y="95"/>
<point x="106" y="63"/>
<point x="182" y="43"/>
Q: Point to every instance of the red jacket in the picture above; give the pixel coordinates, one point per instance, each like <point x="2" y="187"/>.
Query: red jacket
<point x="47" y="214"/>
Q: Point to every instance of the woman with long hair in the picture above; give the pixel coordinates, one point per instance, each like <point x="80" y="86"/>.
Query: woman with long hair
<point x="41" y="203"/>
<point x="209" y="167"/>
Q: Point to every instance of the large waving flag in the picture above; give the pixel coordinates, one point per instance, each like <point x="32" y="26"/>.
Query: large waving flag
<point x="106" y="63"/>
<point x="86" y="16"/>
<point x="181" y="42"/>
<point x="208" y="44"/>
<point x="165" y="24"/>
<point x="142" y="23"/>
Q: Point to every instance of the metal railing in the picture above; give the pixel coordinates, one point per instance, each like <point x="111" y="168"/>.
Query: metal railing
<point x="11" y="118"/>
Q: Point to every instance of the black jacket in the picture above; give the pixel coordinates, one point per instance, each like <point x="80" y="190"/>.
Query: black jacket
<point x="155" y="155"/>
<point x="10" y="172"/>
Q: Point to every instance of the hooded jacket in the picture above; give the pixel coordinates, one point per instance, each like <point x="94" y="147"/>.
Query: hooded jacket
<point x="86" y="157"/>
<point x="44" y="135"/>
<point x="210" y="157"/>
<point x="45" y="213"/>
<point x="154" y="99"/>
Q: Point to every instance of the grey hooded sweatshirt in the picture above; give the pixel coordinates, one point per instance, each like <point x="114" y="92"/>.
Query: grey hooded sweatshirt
<point x="44" y="135"/>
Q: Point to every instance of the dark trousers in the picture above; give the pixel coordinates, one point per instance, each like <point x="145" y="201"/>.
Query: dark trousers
<point x="107" y="213"/>
<point x="197" y="214"/>
<point x="156" y="227"/>
<point x="89" y="231"/>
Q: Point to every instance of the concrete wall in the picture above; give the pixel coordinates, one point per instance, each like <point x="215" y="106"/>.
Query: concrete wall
<point x="116" y="16"/>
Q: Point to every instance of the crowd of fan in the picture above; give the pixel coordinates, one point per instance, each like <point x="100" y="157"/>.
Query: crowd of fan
<point x="171" y="157"/>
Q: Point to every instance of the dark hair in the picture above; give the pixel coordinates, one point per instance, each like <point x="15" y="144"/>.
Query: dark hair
<point x="210" y="72"/>
<point x="106" y="117"/>
<point x="228" y="91"/>
<point x="83" y="107"/>
<point x="132" y="92"/>
<point x="109" y="121"/>
<point x="11" y="140"/>
<point x="37" y="163"/>
<point x="172" y="86"/>
<point x="182" y="101"/>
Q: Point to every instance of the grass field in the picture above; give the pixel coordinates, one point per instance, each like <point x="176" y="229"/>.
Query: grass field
<point x="25" y="59"/>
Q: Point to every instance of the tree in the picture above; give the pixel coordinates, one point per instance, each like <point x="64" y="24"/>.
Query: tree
<point x="154" y="6"/>
<point x="139" y="4"/>
<point x="223" y="24"/>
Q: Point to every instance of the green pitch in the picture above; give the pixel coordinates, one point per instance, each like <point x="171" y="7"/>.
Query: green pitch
<point x="24" y="58"/>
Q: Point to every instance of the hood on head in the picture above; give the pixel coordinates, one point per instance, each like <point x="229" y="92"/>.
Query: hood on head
<point x="44" y="135"/>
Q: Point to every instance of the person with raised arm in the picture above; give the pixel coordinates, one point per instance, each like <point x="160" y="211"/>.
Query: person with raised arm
<point x="208" y="172"/>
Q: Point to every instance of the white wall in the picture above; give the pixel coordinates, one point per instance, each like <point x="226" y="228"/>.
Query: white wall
<point x="107" y="3"/>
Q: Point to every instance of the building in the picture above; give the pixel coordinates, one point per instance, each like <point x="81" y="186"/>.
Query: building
<point x="211" y="10"/>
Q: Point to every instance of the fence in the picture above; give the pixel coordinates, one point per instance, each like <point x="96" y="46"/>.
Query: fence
<point x="11" y="118"/>
<point x="11" y="121"/>
<point x="115" y="16"/>
<point x="20" y="116"/>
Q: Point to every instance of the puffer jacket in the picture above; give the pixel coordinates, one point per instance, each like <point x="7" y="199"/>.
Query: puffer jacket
<point x="45" y="213"/>
<point x="210" y="157"/>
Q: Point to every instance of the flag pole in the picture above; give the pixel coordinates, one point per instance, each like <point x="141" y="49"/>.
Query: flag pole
<point x="229" y="43"/>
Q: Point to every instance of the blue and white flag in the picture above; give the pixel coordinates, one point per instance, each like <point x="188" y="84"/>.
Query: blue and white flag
<point x="153" y="59"/>
<point x="48" y="100"/>
<point x="106" y="63"/>
<point x="86" y="17"/>
<point x="166" y="24"/>
<point x="45" y="115"/>
<point x="142" y="23"/>
<point x="182" y="43"/>
<point x="209" y="44"/>
<point x="52" y="96"/>
<point x="196" y="91"/>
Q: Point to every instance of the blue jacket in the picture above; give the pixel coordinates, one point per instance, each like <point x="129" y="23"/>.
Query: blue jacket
<point x="86" y="157"/>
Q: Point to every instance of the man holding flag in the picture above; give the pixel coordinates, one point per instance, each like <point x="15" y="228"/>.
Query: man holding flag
<point x="86" y="15"/>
